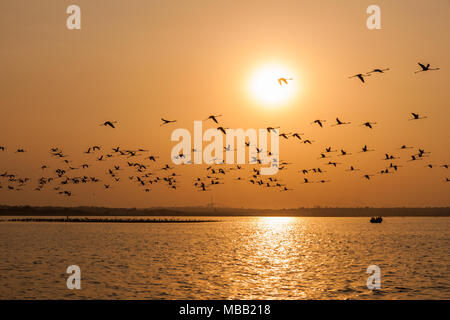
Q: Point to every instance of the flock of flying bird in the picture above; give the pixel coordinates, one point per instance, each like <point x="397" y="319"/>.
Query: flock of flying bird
<point x="145" y="171"/>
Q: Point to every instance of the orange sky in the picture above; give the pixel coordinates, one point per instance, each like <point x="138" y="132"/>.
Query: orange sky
<point x="138" y="61"/>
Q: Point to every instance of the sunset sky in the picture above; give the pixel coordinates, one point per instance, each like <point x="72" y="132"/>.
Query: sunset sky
<point x="137" y="61"/>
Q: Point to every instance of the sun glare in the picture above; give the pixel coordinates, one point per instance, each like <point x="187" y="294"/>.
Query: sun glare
<point x="272" y="85"/>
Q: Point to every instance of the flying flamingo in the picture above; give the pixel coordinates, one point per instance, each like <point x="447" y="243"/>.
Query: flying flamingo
<point x="339" y="123"/>
<point x="319" y="122"/>
<point x="213" y="118"/>
<point x="272" y="129"/>
<point x="344" y="153"/>
<point x="166" y="121"/>
<point x="297" y="135"/>
<point x="416" y="117"/>
<point x="283" y="80"/>
<point x="365" y="149"/>
<point x="414" y="158"/>
<point x="109" y="123"/>
<point x="360" y="76"/>
<point x="378" y="70"/>
<point x="369" y="124"/>
<point x="425" y="68"/>
<point x="222" y="129"/>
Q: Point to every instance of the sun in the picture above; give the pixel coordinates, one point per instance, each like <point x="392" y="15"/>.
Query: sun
<point x="265" y="88"/>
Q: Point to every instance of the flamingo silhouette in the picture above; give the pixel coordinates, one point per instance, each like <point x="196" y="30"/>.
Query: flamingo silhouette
<point x="213" y="118"/>
<point x="365" y="149"/>
<point x="297" y="135"/>
<point x="222" y="129"/>
<point x="416" y="116"/>
<point x="166" y="121"/>
<point x="344" y="153"/>
<point x="377" y="70"/>
<point x="109" y="123"/>
<point x="339" y="123"/>
<point x="369" y="124"/>
<point x="360" y="76"/>
<point x="319" y="122"/>
<point x="272" y="129"/>
<point x="425" y="68"/>
<point x="283" y="80"/>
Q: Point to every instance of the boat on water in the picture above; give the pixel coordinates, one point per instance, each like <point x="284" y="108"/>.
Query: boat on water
<point x="376" y="220"/>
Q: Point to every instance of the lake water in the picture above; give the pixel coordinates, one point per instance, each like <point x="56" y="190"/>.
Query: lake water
<point x="235" y="258"/>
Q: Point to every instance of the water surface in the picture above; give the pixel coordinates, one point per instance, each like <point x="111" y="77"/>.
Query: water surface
<point x="236" y="258"/>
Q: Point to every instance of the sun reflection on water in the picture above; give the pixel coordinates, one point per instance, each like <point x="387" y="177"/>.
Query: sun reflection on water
<point x="274" y="255"/>
<point x="277" y="219"/>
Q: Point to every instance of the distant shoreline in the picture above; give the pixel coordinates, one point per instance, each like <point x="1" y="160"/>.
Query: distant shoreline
<point x="222" y="212"/>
